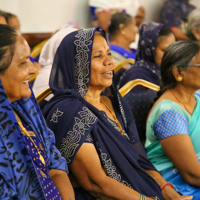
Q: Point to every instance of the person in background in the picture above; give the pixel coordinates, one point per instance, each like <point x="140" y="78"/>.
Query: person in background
<point x="96" y="133"/>
<point x="122" y="33"/>
<point x="12" y="20"/>
<point x="2" y="18"/>
<point x="154" y="39"/>
<point x="193" y="27"/>
<point x="102" y="11"/>
<point x="173" y="126"/>
<point x="30" y="165"/>
<point x="174" y="14"/>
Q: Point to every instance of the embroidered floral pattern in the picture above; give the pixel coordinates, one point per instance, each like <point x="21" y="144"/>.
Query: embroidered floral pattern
<point x="84" y="39"/>
<point x="71" y="142"/>
<point x="55" y="116"/>
<point x="111" y="169"/>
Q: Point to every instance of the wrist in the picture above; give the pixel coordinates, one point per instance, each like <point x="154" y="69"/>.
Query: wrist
<point x="169" y="193"/>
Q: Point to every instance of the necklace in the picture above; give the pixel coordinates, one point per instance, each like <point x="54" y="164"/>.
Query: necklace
<point x="114" y="116"/>
<point x="26" y="133"/>
<point x="180" y="102"/>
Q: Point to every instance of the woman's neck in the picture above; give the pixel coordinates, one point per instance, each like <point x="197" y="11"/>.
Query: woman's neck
<point x="122" y="42"/>
<point x="93" y="97"/>
<point x="185" y="94"/>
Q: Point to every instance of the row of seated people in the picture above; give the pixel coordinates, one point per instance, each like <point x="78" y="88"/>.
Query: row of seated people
<point x="95" y="133"/>
<point x="107" y="107"/>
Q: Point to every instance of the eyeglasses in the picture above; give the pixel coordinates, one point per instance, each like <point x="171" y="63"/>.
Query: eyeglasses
<point x="195" y="65"/>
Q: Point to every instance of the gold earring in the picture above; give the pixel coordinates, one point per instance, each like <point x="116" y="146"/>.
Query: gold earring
<point x="180" y="78"/>
<point x="123" y="32"/>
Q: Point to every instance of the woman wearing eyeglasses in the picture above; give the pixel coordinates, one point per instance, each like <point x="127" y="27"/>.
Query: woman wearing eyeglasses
<point x="173" y="126"/>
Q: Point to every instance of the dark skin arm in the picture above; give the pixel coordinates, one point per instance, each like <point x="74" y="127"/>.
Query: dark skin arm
<point x="61" y="181"/>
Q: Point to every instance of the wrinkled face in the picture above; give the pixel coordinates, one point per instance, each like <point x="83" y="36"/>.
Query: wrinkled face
<point x="191" y="75"/>
<point x="102" y="64"/>
<point x="2" y="20"/>
<point x="130" y="31"/>
<point x="163" y="43"/>
<point x="14" y="22"/>
<point x="15" y="78"/>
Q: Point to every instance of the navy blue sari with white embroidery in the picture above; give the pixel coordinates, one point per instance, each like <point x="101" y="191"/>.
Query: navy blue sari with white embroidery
<point x="75" y="121"/>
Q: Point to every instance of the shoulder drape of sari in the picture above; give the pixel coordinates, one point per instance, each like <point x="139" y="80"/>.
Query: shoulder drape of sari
<point x="18" y="178"/>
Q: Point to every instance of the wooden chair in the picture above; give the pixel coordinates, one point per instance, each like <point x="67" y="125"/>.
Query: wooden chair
<point x="122" y="63"/>
<point x="38" y="48"/>
<point x="137" y="82"/>
<point x="42" y="95"/>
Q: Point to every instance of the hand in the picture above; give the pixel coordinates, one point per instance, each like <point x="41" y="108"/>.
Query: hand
<point x="183" y="197"/>
<point x="140" y="16"/>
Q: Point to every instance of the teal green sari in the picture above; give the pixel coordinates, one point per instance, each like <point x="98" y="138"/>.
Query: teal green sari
<point x="168" y="119"/>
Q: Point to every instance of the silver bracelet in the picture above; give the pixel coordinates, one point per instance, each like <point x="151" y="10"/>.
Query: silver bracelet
<point x="142" y="197"/>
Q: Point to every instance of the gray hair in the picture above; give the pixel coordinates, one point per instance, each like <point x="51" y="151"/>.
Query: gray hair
<point x="193" y="21"/>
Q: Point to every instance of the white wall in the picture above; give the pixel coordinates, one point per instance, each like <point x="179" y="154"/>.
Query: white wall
<point x="48" y="15"/>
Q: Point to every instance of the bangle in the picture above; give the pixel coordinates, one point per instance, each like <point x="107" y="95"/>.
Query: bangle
<point x="162" y="187"/>
<point x="142" y="197"/>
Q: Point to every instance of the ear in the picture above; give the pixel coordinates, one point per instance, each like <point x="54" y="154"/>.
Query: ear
<point x="196" y="33"/>
<point x="122" y="29"/>
<point x="177" y="74"/>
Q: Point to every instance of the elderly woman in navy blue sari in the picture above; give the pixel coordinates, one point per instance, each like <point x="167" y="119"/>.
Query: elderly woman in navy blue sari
<point x="154" y="39"/>
<point x="96" y="132"/>
<point x="31" y="167"/>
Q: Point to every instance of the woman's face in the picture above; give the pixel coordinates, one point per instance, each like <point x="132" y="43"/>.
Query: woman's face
<point x="102" y="64"/>
<point x="191" y="75"/>
<point x="15" y="79"/>
<point x="163" y="43"/>
<point x="130" y="31"/>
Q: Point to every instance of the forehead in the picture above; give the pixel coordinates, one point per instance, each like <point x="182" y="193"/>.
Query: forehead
<point x="99" y="42"/>
<point x="22" y="49"/>
<point x="166" y="40"/>
<point x="196" y="59"/>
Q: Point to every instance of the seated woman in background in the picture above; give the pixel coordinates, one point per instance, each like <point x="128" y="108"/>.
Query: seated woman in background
<point x="173" y="126"/>
<point x="31" y="167"/>
<point x="102" y="11"/>
<point x="122" y="33"/>
<point x="96" y="133"/>
<point x="193" y="25"/>
<point x="2" y="18"/>
<point x="46" y="59"/>
<point x="154" y="39"/>
<point x="174" y="14"/>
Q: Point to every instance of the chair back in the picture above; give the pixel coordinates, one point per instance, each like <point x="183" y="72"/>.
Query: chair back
<point x="122" y="63"/>
<point x="137" y="82"/>
<point x="140" y="103"/>
<point x="41" y="97"/>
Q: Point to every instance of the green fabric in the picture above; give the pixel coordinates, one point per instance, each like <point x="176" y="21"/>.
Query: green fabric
<point x="154" y="150"/>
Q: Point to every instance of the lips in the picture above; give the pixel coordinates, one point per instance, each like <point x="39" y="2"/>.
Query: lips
<point x="25" y="82"/>
<point x="108" y="74"/>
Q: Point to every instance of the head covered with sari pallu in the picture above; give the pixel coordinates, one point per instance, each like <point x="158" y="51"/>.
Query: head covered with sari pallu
<point x="75" y="121"/>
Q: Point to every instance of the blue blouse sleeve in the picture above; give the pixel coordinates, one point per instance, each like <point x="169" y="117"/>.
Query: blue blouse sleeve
<point x="171" y="122"/>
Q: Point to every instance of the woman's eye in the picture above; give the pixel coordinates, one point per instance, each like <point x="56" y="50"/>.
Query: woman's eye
<point x="24" y="63"/>
<point x="97" y="56"/>
<point x="110" y="54"/>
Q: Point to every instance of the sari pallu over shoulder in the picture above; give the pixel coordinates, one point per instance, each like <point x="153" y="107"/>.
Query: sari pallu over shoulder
<point x="75" y="121"/>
